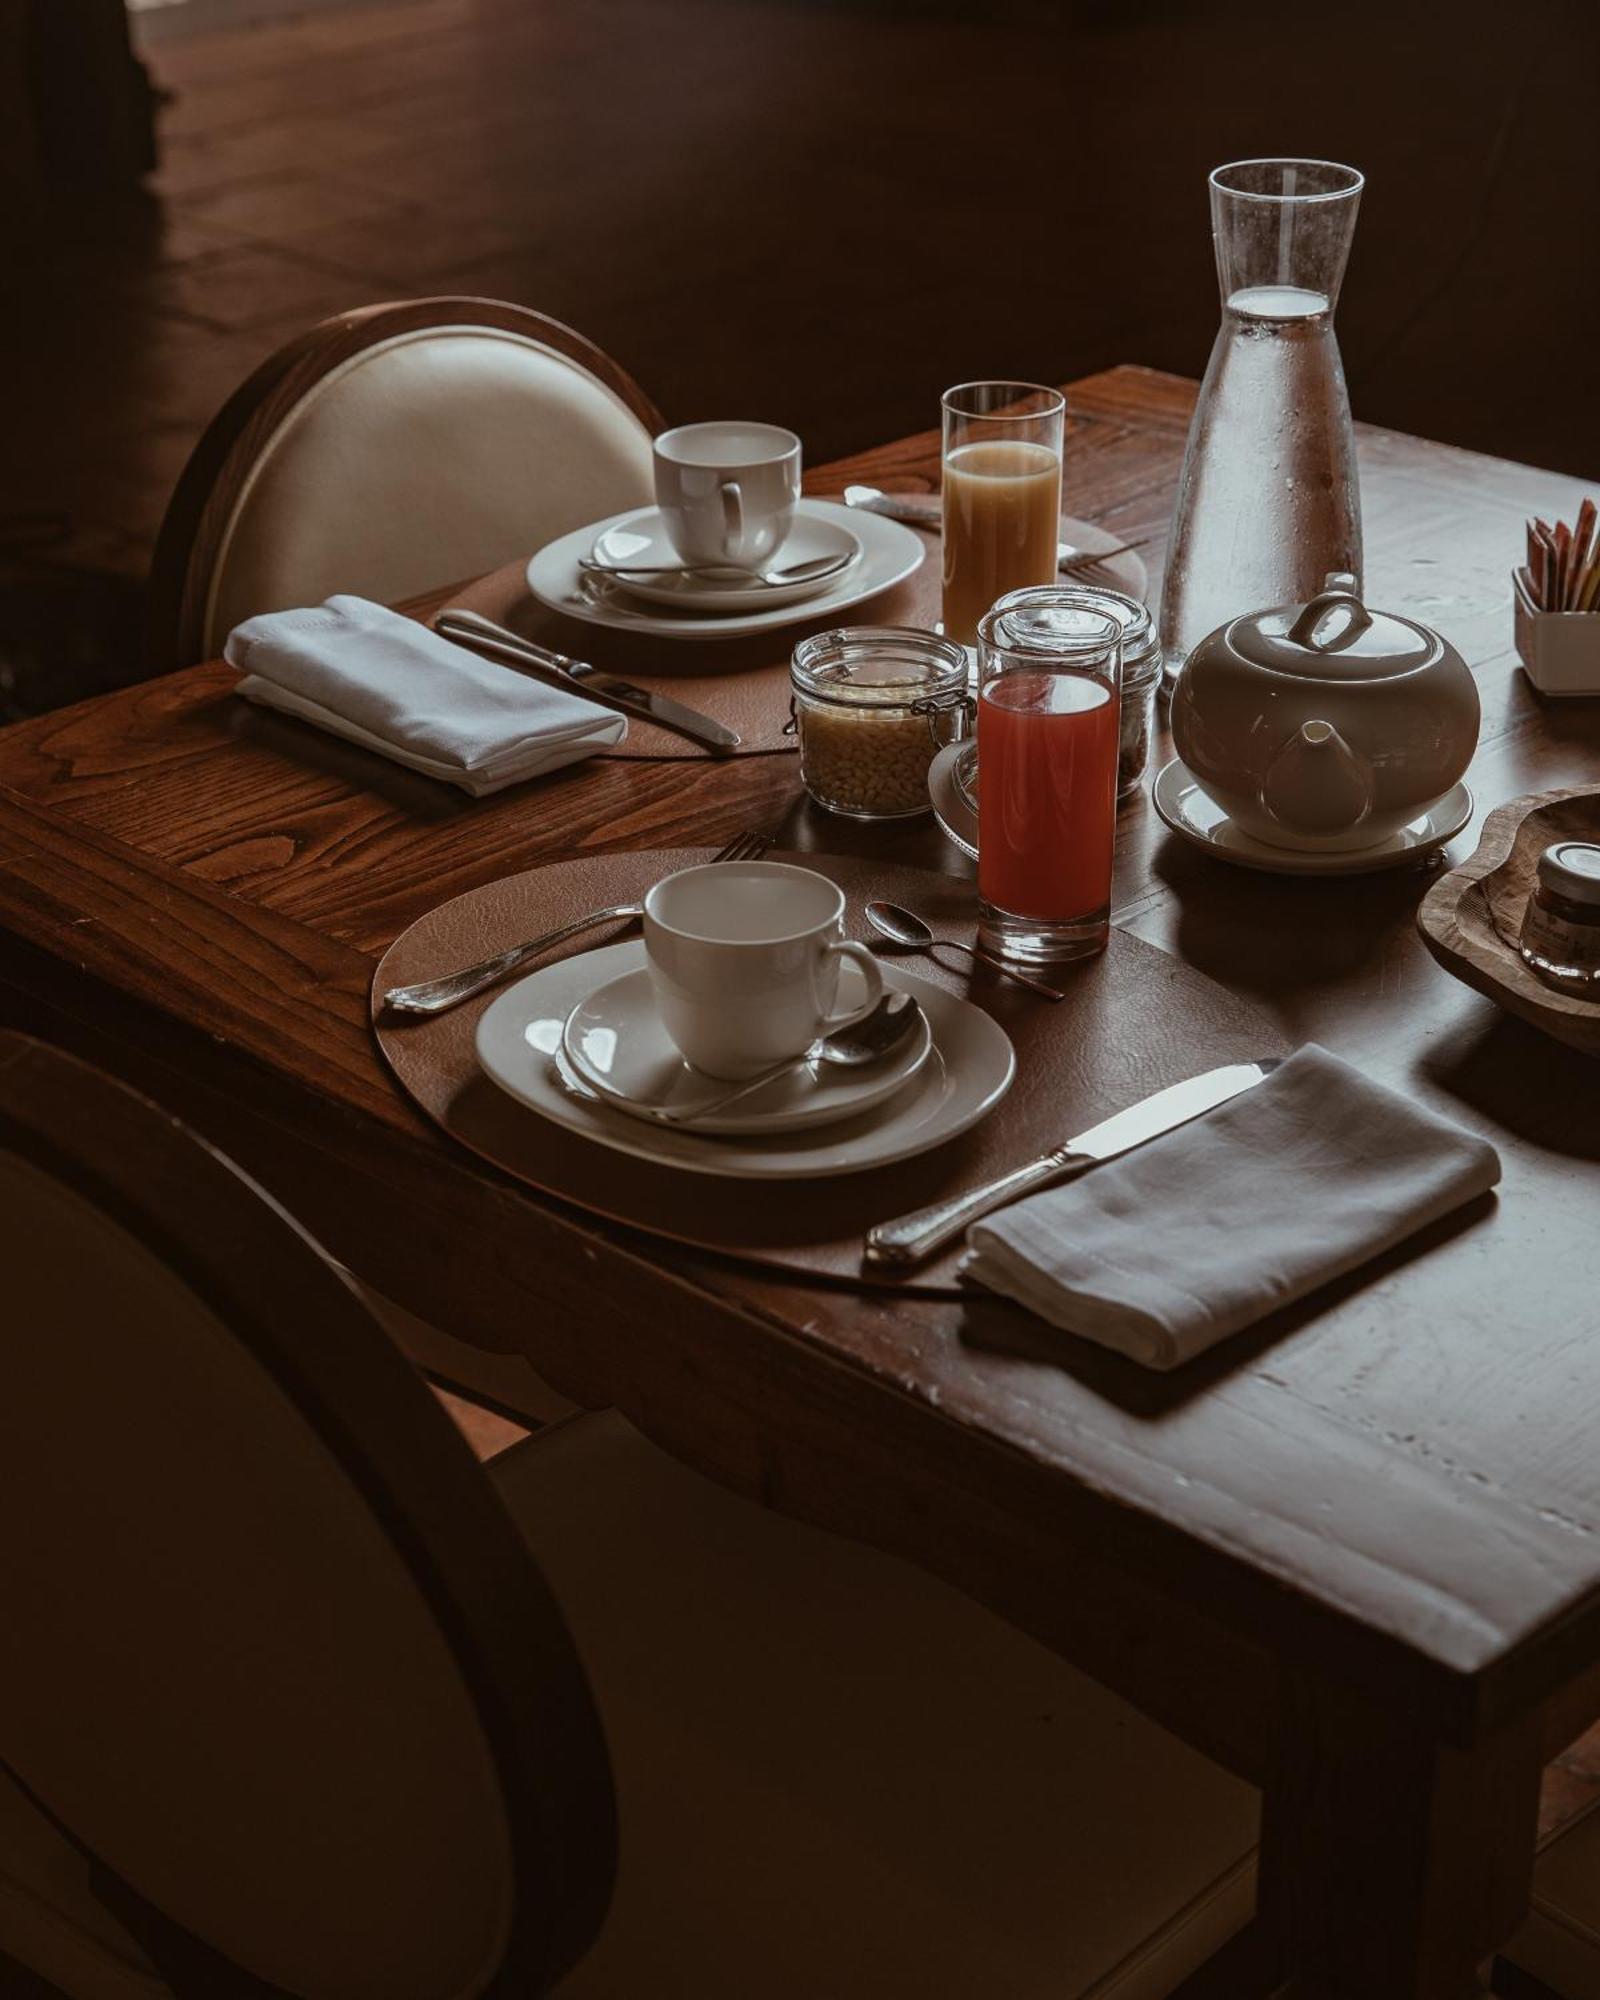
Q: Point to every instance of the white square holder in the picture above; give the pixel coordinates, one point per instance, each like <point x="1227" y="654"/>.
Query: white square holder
<point x="1560" y="649"/>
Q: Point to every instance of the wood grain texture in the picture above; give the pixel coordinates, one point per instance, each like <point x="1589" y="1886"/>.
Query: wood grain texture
<point x="1392" y="1482"/>
<point x="1471" y="917"/>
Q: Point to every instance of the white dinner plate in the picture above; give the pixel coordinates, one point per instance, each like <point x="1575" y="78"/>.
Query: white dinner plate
<point x="616" y="1041"/>
<point x="889" y="554"/>
<point x="642" y="538"/>
<point x="1197" y="818"/>
<point x="965" y="1074"/>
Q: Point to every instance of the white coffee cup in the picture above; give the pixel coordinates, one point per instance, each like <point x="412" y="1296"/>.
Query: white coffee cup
<point x="744" y="959"/>
<point x="727" y="491"/>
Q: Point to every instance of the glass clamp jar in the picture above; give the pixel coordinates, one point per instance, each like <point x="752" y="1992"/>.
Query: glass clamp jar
<point x="872" y="706"/>
<point x="1141" y="677"/>
<point x="1561" y="926"/>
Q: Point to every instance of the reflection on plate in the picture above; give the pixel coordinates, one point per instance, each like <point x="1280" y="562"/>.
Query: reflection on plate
<point x="616" y="1042"/>
<point x="1196" y="817"/>
<point x="889" y="554"/>
<point x="642" y="538"/>
<point x="966" y="1073"/>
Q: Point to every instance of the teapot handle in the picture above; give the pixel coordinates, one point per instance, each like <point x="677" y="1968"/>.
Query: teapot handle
<point x="1340" y="594"/>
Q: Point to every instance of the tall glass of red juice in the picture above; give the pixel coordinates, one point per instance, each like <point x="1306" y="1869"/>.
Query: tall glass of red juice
<point x="1049" y="714"/>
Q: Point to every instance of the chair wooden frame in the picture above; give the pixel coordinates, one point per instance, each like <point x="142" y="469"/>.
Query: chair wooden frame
<point x="209" y="487"/>
<point x="293" y="1310"/>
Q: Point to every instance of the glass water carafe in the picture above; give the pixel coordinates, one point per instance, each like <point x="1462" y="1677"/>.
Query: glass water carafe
<point x="1268" y="502"/>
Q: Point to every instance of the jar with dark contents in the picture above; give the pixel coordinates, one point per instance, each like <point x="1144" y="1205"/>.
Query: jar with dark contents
<point x="1141" y="679"/>
<point x="1561" y="926"/>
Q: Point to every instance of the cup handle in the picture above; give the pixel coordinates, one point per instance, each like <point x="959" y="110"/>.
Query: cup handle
<point x="732" y="518"/>
<point x="873" y="974"/>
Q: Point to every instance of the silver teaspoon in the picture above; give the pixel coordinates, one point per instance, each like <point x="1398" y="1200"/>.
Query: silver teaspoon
<point x="907" y="928"/>
<point x="865" y="1041"/>
<point x="800" y="572"/>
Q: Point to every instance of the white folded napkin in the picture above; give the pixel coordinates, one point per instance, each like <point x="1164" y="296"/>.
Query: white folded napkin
<point x="1187" y="1239"/>
<point x="396" y="687"/>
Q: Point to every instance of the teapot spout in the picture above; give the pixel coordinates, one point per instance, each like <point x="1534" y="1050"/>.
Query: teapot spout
<point x="1317" y="788"/>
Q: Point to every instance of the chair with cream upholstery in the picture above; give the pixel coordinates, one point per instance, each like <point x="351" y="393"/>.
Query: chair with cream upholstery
<point x="290" y="1694"/>
<point x="387" y="452"/>
<point x="390" y="451"/>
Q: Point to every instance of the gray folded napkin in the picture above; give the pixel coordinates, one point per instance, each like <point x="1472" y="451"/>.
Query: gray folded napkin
<point x="1185" y="1240"/>
<point x="396" y="687"/>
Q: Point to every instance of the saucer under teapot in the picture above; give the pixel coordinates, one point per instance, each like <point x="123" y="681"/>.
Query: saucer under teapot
<point x="1325" y="727"/>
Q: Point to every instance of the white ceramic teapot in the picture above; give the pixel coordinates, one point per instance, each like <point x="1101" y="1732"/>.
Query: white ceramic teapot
<point x="1325" y="725"/>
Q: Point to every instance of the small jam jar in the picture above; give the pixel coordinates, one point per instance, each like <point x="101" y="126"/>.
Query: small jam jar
<point x="1561" y="926"/>
<point x="1141" y="678"/>
<point x="873" y="705"/>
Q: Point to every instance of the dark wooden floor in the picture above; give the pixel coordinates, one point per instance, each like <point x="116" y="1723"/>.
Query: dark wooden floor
<point x="817" y="212"/>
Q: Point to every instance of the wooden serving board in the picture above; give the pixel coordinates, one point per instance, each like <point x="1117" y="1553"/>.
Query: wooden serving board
<point x="1134" y="1021"/>
<point x="1471" y="918"/>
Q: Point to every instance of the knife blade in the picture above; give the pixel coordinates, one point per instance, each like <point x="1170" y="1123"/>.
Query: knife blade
<point x="579" y="677"/>
<point x="912" y="1239"/>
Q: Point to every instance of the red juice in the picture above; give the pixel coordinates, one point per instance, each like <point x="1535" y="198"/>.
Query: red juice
<point x="1047" y="794"/>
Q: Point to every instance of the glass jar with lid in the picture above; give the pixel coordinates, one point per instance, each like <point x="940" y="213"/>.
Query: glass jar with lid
<point x="872" y="706"/>
<point x="1141" y="677"/>
<point x="1561" y="926"/>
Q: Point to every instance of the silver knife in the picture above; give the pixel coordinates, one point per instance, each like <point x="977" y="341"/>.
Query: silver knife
<point x="912" y="1239"/>
<point x="485" y="636"/>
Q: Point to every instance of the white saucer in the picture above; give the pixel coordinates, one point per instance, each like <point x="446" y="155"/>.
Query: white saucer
<point x="967" y="1072"/>
<point x="949" y="780"/>
<point x="642" y="538"/>
<point x="614" y="1039"/>
<point x="889" y="554"/>
<point x="1197" y="818"/>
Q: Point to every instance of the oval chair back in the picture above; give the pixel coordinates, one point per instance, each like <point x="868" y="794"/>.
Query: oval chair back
<point x="390" y="451"/>
<point x="281" y="1688"/>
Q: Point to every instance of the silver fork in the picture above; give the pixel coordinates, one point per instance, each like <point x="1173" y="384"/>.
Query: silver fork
<point x="436" y="996"/>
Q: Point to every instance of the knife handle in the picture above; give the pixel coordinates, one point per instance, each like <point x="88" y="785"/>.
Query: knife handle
<point x="468" y="628"/>
<point x="912" y="1239"/>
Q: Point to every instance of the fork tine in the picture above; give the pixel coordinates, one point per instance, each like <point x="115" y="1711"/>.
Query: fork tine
<point x="746" y="846"/>
<point x="1091" y="570"/>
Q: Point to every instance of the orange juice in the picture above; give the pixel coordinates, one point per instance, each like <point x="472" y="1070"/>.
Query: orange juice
<point x="1002" y="514"/>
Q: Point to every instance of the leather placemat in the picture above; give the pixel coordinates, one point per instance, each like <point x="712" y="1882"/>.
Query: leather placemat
<point x="742" y="683"/>
<point x="1134" y="1021"/>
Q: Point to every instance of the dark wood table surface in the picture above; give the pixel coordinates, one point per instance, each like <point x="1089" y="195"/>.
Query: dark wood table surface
<point x="1354" y="1554"/>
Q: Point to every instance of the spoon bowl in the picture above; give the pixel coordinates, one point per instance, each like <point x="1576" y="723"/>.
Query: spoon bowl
<point x="869" y="1040"/>
<point x="905" y="927"/>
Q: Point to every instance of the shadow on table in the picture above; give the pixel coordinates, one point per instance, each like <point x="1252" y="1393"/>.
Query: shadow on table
<point x="1272" y="936"/>
<point x="1522" y="1080"/>
<point x="998" y="1327"/>
<point x="363" y="770"/>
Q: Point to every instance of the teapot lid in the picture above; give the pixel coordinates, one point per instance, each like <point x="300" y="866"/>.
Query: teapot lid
<point x="1333" y="637"/>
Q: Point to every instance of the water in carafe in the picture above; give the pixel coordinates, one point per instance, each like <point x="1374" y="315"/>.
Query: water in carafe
<point x="1268" y="500"/>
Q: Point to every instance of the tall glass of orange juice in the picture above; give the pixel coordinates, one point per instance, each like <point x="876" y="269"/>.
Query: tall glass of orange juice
<point x="1049" y="725"/>
<point x="1002" y="495"/>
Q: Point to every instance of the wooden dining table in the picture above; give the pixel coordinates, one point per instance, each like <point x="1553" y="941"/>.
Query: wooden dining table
<point x="1353" y="1553"/>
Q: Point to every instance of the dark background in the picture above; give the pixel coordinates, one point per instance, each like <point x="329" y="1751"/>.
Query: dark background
<point x="817" y="211"/>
